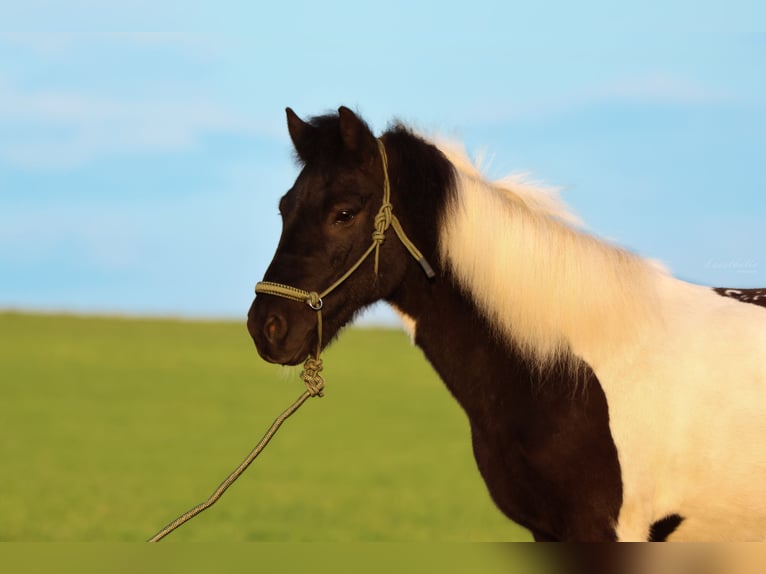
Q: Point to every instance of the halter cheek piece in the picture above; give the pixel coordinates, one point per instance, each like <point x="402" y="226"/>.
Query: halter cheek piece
<point x="383" y="220"/>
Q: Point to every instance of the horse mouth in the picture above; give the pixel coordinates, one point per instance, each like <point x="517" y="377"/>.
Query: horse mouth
<point x="282" y="358"/>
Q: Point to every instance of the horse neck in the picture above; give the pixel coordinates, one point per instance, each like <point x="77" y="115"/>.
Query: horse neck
<point x="458" y="342"/>
<point x="550" y="290"/>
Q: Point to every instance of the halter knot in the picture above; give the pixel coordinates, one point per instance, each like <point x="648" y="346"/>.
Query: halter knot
<point x="382" y="222"/>
<point x="311" y="377"/>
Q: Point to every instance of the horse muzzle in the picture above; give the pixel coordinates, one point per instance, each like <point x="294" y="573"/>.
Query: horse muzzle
<point x="281" y="335"/>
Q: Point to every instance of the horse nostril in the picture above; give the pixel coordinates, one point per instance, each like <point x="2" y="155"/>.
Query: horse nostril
<point x="275" y="328"/>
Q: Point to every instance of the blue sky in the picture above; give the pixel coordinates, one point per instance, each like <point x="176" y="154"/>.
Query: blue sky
<point x="143" y="148"/>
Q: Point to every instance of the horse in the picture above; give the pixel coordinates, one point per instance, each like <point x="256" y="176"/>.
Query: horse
<point x="607" y="400"/>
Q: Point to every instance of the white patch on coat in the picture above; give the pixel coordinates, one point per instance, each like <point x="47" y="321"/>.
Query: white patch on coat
<point x="683" y="369"/>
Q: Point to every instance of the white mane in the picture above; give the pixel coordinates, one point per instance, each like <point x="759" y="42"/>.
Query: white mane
<point x="546" y="285"/>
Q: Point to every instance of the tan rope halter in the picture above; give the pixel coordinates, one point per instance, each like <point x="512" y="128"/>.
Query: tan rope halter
<point x="384" y="219"/>
<point x="313" y="365"/>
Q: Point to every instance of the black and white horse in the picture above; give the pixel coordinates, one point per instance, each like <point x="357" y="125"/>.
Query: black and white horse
<point x="607" y="400"/>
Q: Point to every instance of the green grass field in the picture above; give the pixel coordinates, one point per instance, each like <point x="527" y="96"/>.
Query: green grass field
<point x="113" y="427"/>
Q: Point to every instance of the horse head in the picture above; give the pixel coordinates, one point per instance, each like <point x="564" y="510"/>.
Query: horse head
<point x="332" y="254"/>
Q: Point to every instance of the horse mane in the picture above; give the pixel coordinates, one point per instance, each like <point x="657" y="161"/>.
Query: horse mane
<point x="549" y="287"/>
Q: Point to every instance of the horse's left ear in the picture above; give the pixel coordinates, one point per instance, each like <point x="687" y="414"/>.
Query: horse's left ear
<point x="356" y="135"/>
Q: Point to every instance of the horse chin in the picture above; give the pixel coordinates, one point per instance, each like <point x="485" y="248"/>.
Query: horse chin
<point x="283" y="357"/>
<point x="297" y="355"/>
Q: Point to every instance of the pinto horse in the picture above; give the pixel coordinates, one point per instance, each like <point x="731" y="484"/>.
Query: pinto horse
<point x="607" y="400"/>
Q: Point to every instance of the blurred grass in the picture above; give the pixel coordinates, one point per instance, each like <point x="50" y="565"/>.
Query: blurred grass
<point x="112" y="427"/>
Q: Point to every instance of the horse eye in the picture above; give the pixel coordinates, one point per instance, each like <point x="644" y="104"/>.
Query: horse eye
<point x="344" y="216"/>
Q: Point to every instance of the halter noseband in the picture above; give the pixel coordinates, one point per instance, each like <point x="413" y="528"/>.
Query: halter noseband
<point x="383" y="220"/>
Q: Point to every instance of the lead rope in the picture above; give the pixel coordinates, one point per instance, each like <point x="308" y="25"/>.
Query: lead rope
<point x="313" y="381"/>
<point x="188" y="515"/>
<point x="314" y="385"/>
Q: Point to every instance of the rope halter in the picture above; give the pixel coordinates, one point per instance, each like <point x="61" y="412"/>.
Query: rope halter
<point x="384" y="219"/>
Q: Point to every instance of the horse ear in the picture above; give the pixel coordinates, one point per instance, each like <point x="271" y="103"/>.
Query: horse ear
<point x="355" y="134"/>
<point x="300" y="132"/>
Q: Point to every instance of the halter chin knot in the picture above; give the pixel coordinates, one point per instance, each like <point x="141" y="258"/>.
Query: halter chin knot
<point x="311" y="377"/>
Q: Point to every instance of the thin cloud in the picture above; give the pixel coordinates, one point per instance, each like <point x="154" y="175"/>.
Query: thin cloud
<point x="650" y="89"/>
<point x="663" y="88"/>
<point x="60" y="46"/>
<point x="55" y="129"/>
